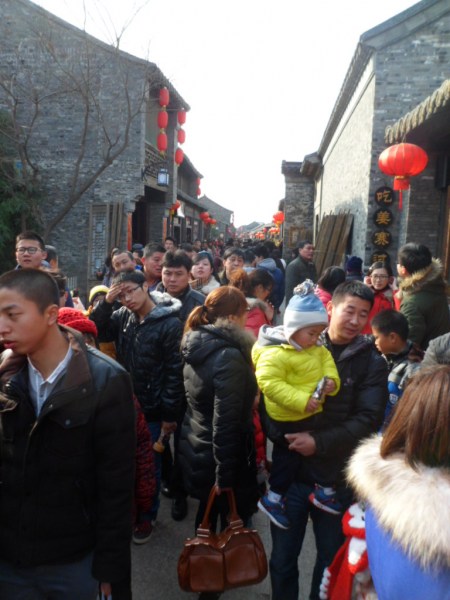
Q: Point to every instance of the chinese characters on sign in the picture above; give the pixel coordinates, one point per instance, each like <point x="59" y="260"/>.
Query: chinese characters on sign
<point x="384" y="196"/>
<point x="383" y="218"/>
<point x="381" y="239"/>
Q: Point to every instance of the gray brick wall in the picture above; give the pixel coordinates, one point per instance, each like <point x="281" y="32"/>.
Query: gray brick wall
<point x="404" y="74"/>
<point x="50" y="59"/>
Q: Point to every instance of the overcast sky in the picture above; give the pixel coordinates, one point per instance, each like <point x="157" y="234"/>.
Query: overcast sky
<point x="261" y="78"/>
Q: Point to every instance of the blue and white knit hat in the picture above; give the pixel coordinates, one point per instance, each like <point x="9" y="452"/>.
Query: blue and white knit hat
<point x="304" y="309"/>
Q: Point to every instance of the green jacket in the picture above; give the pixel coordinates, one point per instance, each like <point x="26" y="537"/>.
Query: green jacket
<point x="423" y="301"/>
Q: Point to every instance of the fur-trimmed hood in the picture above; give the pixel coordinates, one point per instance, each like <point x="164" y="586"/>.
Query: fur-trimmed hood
<point x="412" y="505"/>
<point x="428" y="278"/>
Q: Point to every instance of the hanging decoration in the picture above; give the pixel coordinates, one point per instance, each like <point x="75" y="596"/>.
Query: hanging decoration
<point x="181" y="136"/>
<point x="161" y="142"/>
<point x="179" y="156"/>
<point x="199" y="191"/>
<point x="175" y="206"/>
<point x="204" y="215"/>
<point x="402" y="161"/>
<point x="164" y="97"/>
<point x="162" y="120"/>
<point x="278" y="217"/>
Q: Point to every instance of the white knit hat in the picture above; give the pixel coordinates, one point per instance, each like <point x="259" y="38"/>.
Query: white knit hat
<point x="304" y="309"/>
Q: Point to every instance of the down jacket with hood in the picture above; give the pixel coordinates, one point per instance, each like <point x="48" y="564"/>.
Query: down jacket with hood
<point x="422" y="299"/>
<point x="407" y="523"/>
<point x="217" y="440"/>
<point x="150" y="352"/>
<point x="287" y="376"/>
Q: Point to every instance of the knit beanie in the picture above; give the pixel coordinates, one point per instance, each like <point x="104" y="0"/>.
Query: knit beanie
<point x="304" y="309"/>
<point x="71" y="317"/>
<point x="354" y="265"/>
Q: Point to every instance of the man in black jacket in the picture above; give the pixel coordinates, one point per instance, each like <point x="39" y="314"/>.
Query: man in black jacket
<point x="300" y="268"/>
<point x="176" y="268"/>
<point x="353" y="414"/>
<point x="67" y="446"/>
<point x="147" y="333"/>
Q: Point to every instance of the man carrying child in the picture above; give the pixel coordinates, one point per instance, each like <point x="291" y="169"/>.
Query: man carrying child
<point x="354" y="413"/>
<point x="290" y="362"/>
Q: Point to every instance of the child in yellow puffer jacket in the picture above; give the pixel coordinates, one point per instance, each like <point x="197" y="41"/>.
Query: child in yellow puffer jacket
<point x="290" y="362"/>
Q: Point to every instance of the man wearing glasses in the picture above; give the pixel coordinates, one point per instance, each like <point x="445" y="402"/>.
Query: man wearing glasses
<point x="147" y="333"/>
<point x="30" y="251"/>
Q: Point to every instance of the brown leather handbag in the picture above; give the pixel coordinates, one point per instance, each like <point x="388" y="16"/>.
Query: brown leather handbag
<point x="233" y="558"/>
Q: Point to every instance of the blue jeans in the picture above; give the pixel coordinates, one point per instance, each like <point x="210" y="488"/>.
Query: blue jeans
<point x="155" y="429"/>
<point x="287" y="543"/>
<point x="71" y="581"/>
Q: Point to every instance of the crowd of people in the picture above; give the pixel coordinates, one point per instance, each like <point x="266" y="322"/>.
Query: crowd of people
<point x="219" y="366"/>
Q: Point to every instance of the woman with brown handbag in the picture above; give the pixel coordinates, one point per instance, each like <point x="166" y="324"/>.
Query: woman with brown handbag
<point x="217" y="441"/>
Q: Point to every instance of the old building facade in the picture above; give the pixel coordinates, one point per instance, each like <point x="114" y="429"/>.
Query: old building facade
<point x="395" y="66"/>
<point x="86" y="115"/>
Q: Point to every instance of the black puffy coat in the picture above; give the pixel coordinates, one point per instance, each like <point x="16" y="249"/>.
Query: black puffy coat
<point x="150" y="351"/>
<point x="190" y="299"/>
<point x="67" y="476"/>
<point x="357" y="410"/>
<point x="217" y="440"/>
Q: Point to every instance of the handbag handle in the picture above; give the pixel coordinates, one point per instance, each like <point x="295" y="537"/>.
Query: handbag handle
<point x="235" y="521"/>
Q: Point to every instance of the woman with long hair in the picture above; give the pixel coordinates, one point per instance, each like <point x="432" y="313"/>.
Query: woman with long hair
<point x="217" y="442"/>
<point x="404" y="479"/>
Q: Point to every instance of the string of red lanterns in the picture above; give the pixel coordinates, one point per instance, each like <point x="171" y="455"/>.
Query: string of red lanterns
<point x="163" y="120"/>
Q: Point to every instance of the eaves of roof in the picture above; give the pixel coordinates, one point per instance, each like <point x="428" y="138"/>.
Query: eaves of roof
<point x="437" y="102"/>
<point x="379" y="37"/>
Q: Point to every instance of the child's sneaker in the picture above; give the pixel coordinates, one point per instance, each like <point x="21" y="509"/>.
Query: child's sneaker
<point x="276" y="511"/>
<point x="327" y="502"/>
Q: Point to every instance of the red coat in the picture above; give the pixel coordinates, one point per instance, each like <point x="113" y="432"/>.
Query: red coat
<point x="256" y="317"/>
<point x="383" y="301"/>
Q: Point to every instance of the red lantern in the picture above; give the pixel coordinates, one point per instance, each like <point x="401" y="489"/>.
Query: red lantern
<point x="402" y="161"/>
<point x="181" y="116"/>
<point x="278" y="217"/>
<point x="181" y="136"/>
<point x="213" y="221"/>
<point x="161" y="142"/>
<point x="163" y="119"/>
<point x="199" y="191"/>
<point x="203" y="216"/>
<point x="164" y="96"/>
<point x="199" y="181"/>
<point x="179" y="156"/>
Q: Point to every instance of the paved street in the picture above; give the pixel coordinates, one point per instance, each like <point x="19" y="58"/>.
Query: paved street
<point x="155" y="563"/>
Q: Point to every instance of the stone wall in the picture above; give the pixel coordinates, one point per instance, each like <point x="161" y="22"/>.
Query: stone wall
<point x="406" y="73"/>
<point x="345" y="184"/>
<point x="76" y="81"/>
<point x="397" y="78"/>
<point x="298" y="207"/>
